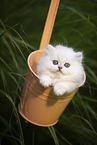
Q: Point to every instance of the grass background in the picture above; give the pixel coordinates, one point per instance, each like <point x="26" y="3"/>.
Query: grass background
<point x="21" y="27"/>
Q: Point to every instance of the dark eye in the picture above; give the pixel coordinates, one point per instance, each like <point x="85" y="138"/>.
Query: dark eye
<point x="55" y="62"/>
<point x="67" y="65"/>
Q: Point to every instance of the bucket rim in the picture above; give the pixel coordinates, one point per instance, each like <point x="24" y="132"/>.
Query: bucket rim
<point x="29" y="62"/>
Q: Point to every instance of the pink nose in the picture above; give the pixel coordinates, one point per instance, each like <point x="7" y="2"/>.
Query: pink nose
<point x="59" y="67"/>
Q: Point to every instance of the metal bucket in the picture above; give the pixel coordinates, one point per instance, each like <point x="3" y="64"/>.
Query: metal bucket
<point x="39" y="105"/>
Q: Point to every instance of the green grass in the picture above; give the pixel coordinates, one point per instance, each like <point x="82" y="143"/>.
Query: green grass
<point x="21" y="27"/>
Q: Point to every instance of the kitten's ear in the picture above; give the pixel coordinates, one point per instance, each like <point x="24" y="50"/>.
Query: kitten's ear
<point x="79" y="56"/>
<point x="49" y="49"/>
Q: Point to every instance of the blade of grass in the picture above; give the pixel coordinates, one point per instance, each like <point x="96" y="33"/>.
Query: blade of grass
<point x="89" y="99"/>
<point x="6" y="64"/>
<point x="87" y="122"/>
<point x="82" y="16"/>
<point x="16" y="113"/>
<point x="11" y="137"/>
<point x="14" y="79"/>
<point x="92" y="111"/>
<point x="92" y="74"/>
<point x="83" y="104"/>
<point x="63" y="138"/>
<point x="22" y="43"/>
<point x="10" y="50"/>
<point x="20" y="37"/>
<point x="13" y="42"/>
<point x="3" y="25"/>
<point x="53" y="133"/>
<point x="3" y="79"/>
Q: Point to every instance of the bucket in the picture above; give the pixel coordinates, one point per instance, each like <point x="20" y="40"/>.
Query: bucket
<point x="39" y="105"/>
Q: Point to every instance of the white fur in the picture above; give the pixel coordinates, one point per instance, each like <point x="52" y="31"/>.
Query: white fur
<point x="66" y="80"/>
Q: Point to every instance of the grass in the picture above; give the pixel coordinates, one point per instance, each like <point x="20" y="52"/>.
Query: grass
<point x="21" y="26"/>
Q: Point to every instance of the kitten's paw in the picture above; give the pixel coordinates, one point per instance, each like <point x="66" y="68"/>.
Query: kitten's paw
<point x="45" y="81"/>
<point x="59" y="89"/>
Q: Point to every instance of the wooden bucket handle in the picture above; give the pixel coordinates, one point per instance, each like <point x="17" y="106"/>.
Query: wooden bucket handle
<point x="49" y="24"/>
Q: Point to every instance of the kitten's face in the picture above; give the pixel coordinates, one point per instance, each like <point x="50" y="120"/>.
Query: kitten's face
<point x="62" y="60"/>
<point x="58" y="66"/>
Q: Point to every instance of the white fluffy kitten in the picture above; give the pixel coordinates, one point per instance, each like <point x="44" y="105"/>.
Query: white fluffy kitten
<point x="62" y="68"/>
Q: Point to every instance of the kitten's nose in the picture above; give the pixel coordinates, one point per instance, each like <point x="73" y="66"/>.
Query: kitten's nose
<point x="59" y="67"/>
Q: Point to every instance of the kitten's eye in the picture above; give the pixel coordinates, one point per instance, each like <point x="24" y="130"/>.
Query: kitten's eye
<point x="55" y="62"/>
<point x="67" y="65"/>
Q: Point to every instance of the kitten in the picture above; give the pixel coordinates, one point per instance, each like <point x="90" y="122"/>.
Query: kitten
<point x="62" y="68"/>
